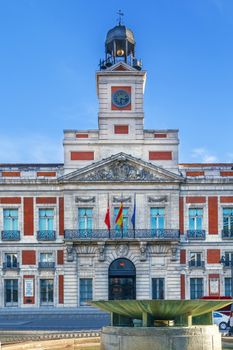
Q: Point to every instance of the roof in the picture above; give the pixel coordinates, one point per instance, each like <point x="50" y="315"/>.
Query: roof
<point x="39" y="165"/>
<point x="197" y="165"/>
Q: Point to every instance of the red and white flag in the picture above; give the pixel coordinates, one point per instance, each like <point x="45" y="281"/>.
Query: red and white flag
<point x="107" y="217"/>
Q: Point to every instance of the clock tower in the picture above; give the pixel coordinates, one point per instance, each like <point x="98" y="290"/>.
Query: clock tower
<point x="120" y="88"/>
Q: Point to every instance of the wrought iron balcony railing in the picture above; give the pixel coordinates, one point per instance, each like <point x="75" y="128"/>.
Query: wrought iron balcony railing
<point x="11" y="235"/>
<point x="196" y="234"/>
<point x="46" y="235"/>
<point x="160" y="234"/>
<point x="196" y="264"/>
<point x="10" y="266"/>
<point x="46" y="265"/>
<point x="227" y="233"/>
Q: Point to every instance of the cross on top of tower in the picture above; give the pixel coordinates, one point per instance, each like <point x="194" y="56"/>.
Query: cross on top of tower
<point x="120" y="14"/>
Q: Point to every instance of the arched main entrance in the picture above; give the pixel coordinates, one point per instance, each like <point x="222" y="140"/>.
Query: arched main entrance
<point x="122" y="280"/>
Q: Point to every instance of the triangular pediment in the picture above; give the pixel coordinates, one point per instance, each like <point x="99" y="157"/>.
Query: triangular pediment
<point x="121" y="167"/>
<point x="121" y="66"/>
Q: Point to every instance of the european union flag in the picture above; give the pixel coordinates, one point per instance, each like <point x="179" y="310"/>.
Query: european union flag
<point x="133" y="219"/>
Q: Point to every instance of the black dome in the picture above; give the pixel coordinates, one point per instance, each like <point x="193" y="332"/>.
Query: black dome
<point x="120" y="33"/>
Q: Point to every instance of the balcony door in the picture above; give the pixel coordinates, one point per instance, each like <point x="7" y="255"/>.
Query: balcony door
<point x="122" y="280"/>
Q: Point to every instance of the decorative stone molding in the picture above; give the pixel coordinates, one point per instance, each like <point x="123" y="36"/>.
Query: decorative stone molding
<point x="143" y="251"/>
<point x="85" y="249"/>
<point x="122" y="199"/>
<point x="70" y="252"/>
<point x="122" y="249"/>
<point x="174" y="251"/>
<point x="120" y="170"/>
<point x="101" y="249"/>
<point x="84" y="199"/>
<point x="160" y="249"/>
<point x="157" y="199"/>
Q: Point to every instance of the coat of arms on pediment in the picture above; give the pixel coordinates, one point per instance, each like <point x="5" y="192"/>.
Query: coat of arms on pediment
<point x="121" y="168"/>
<point x="119" y="171"/>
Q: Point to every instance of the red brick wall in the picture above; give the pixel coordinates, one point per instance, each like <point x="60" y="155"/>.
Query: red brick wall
<point x="81" y="136"/>
<point x="213" y="256"/>
<point x="162" y="155"/>
<point x="226" y="173"/>
<point x="160" y="136"/>
<point x="181" y="215"/>
<point x="195" y="199"/>
<point x="10" y="200"/>
<point x="82" y="155"/>
<point x="61" y="289"/>
<point x="121" y="129"/>
<point x="213" y="215"/>
<point x="46" y="200"/>
<point x="28" y="216"/>
<point x="195" y="173"/>
<point x="183" y="256"/>
<point x="11" y="173"/>
<point x="46" y="173"/>
<point x="60" y="257"/>
<point x="182" y="286"/>
<point x="61" y="216"/>
<point x="226" y="199"/>
<point x="28" y="257"/>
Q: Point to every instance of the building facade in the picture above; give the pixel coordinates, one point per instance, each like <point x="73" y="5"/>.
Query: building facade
<point x="60" y="245"/>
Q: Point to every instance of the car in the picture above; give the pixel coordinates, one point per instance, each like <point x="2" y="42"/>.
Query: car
<point x="220" y="320"/>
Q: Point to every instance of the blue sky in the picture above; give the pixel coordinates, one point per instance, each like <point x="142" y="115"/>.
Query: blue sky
<point x="50" y="50"/>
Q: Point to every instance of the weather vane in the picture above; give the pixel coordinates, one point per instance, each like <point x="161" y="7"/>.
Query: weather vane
<point x="120" y="14"/>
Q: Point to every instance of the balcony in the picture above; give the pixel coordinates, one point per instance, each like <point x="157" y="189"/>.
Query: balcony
<point x="10" y="266"/>
<point x="160" y="234"/>
<point x="11" y="235"/>
<point x="227" y="233"/>
<point x="196" y="235"/>
<point x="46" y="265"/>
<point x="196" y="264"/>
<point x="46" y="235"/>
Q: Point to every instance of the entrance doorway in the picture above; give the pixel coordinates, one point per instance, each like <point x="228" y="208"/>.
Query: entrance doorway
<point x="122" y="280"/>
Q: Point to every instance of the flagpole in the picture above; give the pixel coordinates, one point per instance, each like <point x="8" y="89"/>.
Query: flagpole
<point x="134" y="210"/>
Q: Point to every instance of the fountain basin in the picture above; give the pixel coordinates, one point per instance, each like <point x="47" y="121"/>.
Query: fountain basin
<point x="192" y="325"/>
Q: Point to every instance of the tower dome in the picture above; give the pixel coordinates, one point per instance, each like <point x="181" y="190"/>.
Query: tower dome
<point x="120" y="39"/>
<point x="120" y="46"/>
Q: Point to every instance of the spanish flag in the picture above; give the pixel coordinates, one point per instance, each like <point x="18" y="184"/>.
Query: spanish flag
<point x="119" y="218"/>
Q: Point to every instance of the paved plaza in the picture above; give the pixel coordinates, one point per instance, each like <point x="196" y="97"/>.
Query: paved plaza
<point x="65" y="319"/>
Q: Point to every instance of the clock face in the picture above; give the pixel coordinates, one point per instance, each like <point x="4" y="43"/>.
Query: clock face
<point x="121" y="98"/>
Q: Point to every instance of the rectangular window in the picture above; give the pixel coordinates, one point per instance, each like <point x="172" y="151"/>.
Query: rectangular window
<point x="85" y="290"/>
<point x="125" y="219"/>
<point x="46" y="292"/>
<point x="85" y="218"/>
<point x="11" y="260"/>
<point x="157" y="218"/>
<point x="228" y="220"/>
<point x="196" y="288"/>
<point x="11" y="292"/>
<point x="46" y="219"/>
<point x="10" y="219"/>
<point x="157" y="288"/>
<point x="196" y="259"/>
<point x="46" y="257"/>
<point x="195" y="219"/>
<point x="228" y="258"/>
<point x="228" y="292"/>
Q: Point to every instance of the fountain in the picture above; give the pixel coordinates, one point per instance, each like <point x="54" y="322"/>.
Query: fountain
<point x="161" y="324"/>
